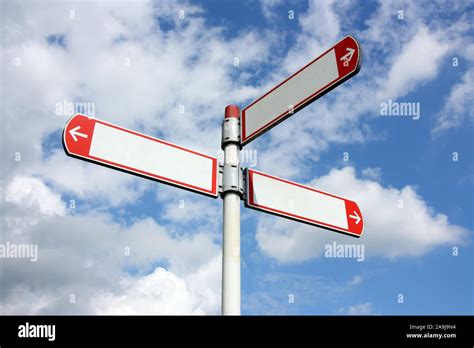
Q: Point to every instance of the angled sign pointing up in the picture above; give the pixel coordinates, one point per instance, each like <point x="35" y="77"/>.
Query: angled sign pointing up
<point x="302" y="203"/>
<point x="103" y="143"/>
<point x="336" y="65"/>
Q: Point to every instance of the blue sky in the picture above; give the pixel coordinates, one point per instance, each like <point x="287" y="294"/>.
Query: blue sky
<point x="139" y="62"/>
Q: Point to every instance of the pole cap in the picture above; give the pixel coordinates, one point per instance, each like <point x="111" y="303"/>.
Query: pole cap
<point x="232" y="111"/>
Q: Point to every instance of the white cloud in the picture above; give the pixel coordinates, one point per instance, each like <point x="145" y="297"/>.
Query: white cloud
<point x="362" y="309"/>
<point x="356" y="280"/>
<point x="399" y="57"/>
<point x="320" y="28"/>
<point x="137" y="72"/>
<point x="459" y="106"/>
<point x="383" y="27"/>
<point x="418" y="62"/>
<point x="160" y="292"/>
<point x="372" y="173"/>
<point x="172" y="62"/>
<point x="32" y="193"/>
<point x="321" y="21"/>
<point x="102" y="263"/>
<point x="183" y="207"/>
<point x="389" y="231"/>
<point x="340" y="117"/>
<point x="268" y="8"/>
<point x="185" y="250"/>
<point x="90" y="181"/>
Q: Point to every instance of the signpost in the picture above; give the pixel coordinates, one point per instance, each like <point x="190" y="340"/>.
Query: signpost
<point x="333" y="67"/>
<point x="119" y="148"/>
<point x="302" y="203"/>
<point x="106" y="144"/>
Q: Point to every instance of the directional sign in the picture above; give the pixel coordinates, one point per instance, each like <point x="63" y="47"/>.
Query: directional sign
<point x="119" y="148"/>
<point x="324" y="73"/>
<point x="302" y="203"/>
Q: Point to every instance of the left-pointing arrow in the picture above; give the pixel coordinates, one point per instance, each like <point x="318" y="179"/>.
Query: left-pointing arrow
<point x="74" y="133"/>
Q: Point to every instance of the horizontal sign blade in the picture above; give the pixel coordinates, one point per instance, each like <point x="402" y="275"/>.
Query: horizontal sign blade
<point x="302" y="203"/>
<point x="119" y="148"/>
<point x="324" y="73"/>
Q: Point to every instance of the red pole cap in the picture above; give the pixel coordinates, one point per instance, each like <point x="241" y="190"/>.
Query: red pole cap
<point x="232" y="111"/>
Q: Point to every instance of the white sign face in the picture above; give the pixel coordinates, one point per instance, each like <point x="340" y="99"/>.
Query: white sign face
<point x="302" y="203"/>
<point x="136" y="153"/>
<point x="322" y="74"/>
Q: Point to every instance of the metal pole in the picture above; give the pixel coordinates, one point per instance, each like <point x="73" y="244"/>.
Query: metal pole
<point x="231" y="197"/>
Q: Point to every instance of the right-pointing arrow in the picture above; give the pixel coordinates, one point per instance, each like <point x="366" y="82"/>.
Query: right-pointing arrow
<point x="356" y="217"/>
<point x="74" y="133"/>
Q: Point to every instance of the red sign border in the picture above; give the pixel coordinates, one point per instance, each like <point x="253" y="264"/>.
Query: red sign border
<point x="249" y="203"/>
<point x="305" y="102"/>
<point x="116" y="166"/>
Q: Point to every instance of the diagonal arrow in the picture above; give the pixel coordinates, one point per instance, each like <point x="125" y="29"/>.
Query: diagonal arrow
<point x="348" y="56"/>
<point x="356" y="217"/>
<point x="74" y="133"/>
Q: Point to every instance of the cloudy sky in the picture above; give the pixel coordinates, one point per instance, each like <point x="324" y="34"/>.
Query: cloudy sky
<point x="112" y="243"/>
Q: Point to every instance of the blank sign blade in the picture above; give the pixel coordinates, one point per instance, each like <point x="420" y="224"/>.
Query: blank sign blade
<point x="303" y="203"/>
<point x="336" y="65"/>
<point x="120" y="148"/>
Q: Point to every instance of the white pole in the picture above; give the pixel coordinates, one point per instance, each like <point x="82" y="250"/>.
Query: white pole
<point x="231" y="229"/>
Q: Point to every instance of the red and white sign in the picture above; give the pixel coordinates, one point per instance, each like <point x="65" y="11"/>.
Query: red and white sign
<point x="324" y="73"/>
<point x="113" y="146"/>
<point x="303" y="203"/>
